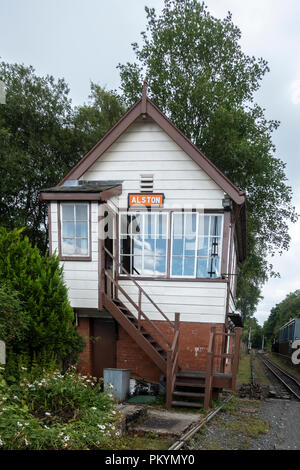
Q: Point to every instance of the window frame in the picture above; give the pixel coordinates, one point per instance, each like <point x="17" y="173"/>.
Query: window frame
<point x="170" y="221"/>
<point x="196" y="257"/>
<point x="74" y="257"/>
<point x="134" y="212"/>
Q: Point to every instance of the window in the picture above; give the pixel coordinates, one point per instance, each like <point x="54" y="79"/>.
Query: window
<point x="196" y="245"/>
<point x="75" y="229"/>
<point x="143" y="243"/>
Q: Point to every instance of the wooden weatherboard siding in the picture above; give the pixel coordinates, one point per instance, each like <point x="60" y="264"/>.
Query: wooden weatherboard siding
<point x="146" y="149"/>
<point x="81" y="277"/>
<point x="196" y="301"/>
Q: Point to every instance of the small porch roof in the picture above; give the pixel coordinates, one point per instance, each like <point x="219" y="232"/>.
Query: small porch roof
<point x="83" y="191"/>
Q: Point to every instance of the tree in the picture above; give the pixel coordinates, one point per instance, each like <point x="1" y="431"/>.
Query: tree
<point x="280" y="314"/>
<point x="40" y="289"/>
<point x="91" y="121"/>
<point x="41" y="138"/>
<point x="199" y="76"/>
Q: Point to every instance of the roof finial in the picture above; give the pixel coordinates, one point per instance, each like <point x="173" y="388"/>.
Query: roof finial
<point x="144" y="96"/>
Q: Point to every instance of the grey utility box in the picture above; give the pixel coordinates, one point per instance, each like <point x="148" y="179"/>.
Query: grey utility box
<point x="116" y="381"/>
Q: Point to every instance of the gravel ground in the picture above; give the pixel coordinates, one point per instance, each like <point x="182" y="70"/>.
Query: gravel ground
<point x="283" y="417"/>
<point x="252" y="425"/>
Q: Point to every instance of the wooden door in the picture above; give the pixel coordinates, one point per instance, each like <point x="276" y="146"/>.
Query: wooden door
<point x="104" y="345"/>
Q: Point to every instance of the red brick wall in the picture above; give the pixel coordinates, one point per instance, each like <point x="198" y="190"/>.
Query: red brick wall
<point x="193" y="344"/>
<point x="85" y="361"/>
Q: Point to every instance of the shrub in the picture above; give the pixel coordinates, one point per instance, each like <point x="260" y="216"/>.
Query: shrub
<point x="13" y="321"/>
<point x="38" y="280"/>
<point x="58" y="411"/>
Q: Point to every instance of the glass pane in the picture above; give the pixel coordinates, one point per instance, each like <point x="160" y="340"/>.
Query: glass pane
<point x="204" y="224"/>
<point x="178" y="224"/>
<point x="160" y="265"/>
<point x="215" y="267"/>
<point x="137" y="244"/>
<point x="189" y="266"/>
<point x="125" y="220"/>
<point x="202" y="267"/>
<point x="162" y="227"/>
<point x="177" y="246"/>
<point x="67" y="212"/>
<point x="190" y="224"/>
<point x="82" y="246"/>
<point x="203" y="246"/>
<point x="68" y="229"/>
<point x="176" y="266"/>
<point x="214" y="246"/>
<point x="190" y="246"/>
<point x="136" y="265"/>
<point x="125" y="245"/>
<point x="125" y="261"/>
<point x="161" y="246"/>
<point x="82" y="229"/>
<point x="148" y="265"/>
<point x="150" y="225"/>
<point x="216" y="225"/>
<point x="68" y="246"/>
<point x="149" y="246"/>
<point x="137" y="224"/>
<point x="81" y="212"/>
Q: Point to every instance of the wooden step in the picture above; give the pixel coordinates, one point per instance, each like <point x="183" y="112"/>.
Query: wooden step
<point x="190" y="384"/>
<point x="188" y="394"/>
<point x="187" y="403"/>
<point x="191" y="374"/>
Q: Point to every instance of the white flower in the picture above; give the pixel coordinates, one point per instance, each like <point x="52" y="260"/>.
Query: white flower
<point x="47" y="414"/>
<point x="19" y="424"/>
<point x="1" y="442"/>
<point x="46" y="426"/>
<point x="101" y="426"/>
<point x="66" y="438"/>
<point x="93" y="408"/>
<point x="113" y="412"/>
<point x="15" y="397"/>
<point x="26" y="442"/>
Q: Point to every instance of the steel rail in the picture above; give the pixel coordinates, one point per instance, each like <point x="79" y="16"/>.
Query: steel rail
<point x="271" y="366"/>
<point x="180" y="442"/>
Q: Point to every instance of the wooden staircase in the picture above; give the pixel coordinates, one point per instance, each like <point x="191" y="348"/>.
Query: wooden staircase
<point x="183" y="388"/>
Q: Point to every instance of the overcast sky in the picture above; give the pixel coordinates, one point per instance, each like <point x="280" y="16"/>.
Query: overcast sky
<point x="83" y="40"/>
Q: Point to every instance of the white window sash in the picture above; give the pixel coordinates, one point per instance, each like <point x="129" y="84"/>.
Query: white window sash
<point x="75" y="255"/>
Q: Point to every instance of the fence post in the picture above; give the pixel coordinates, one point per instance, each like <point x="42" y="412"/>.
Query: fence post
<point x="169" y="380"/>
<point x="236" y="359"/>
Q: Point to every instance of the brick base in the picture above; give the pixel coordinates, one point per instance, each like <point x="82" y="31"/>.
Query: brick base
<point x="193" y="344"/>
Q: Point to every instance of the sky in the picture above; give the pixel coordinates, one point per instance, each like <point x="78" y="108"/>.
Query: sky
<point x="84" y="40"/>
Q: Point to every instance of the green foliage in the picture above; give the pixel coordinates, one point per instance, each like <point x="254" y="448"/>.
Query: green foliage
<point x="256" y="332"/>
<point x="91" y="121"/>
<point x="39" y="283"/>
<point x="13" y="321"/>
<point x="199" y="76"/>
<point x="281" y="314"/>
<point x="41" y="138"/>
<point x="57" y="412"/>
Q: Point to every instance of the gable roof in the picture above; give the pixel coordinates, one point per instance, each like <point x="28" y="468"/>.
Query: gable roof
<point x="145" y="107"/>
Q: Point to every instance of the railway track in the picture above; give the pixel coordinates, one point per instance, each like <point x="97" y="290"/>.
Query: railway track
<point x="288" y="381"/>
<point x="186" y="436"/>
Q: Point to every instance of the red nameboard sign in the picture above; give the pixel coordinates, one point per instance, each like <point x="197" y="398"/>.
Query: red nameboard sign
<point x="145" y="200"/>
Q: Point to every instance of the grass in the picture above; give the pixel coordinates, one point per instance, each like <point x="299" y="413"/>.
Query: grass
<point x="244" y="375"/>
<point x="233" y="428"/>
<point x="149" y="442"/>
